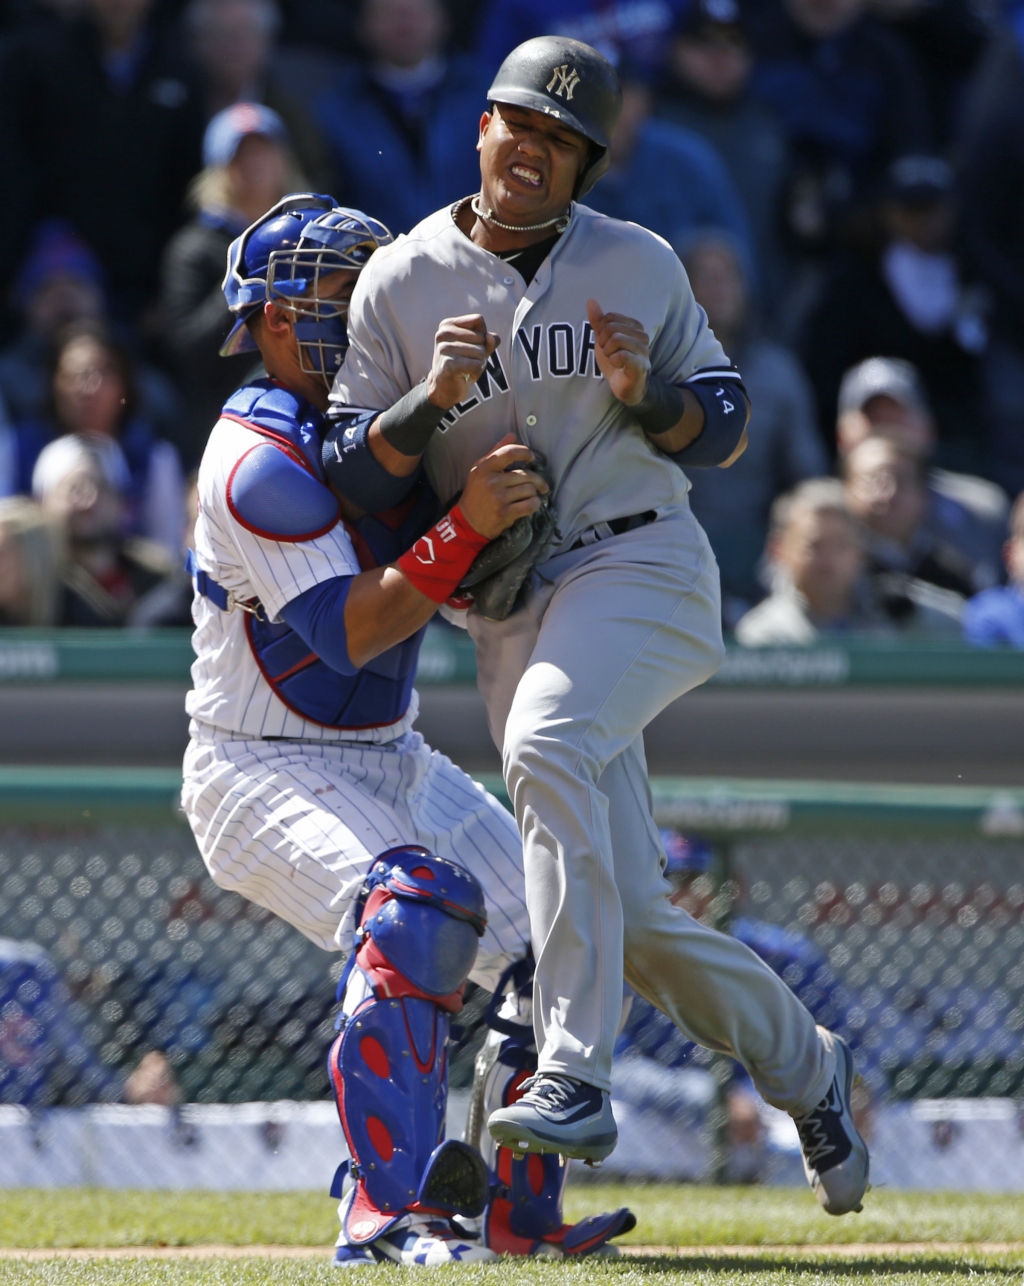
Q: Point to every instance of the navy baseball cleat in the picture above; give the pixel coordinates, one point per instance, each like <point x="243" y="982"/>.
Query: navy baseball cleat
<point x="835" y="1155"/>
<point x="557" y="1114"/>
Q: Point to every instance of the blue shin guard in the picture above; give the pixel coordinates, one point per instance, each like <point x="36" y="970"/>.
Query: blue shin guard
<point x="415" y="946"/>
<point x="524" y="1215"/>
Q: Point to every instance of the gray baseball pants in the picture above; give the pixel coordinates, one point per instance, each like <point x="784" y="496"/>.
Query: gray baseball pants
<point x="609" y="636"/>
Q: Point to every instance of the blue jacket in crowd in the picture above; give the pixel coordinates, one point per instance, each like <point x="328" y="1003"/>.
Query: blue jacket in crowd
<point x="673" y="183"/>
<point x="631" y="30"/>
<point x="995" y="617"/>
<point x="43" y="1055"/>
<point x="851" y="102"/>
<point x="401" y="171"/>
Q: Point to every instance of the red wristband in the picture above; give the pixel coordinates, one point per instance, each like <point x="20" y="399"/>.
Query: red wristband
<point x="440" y="559"/>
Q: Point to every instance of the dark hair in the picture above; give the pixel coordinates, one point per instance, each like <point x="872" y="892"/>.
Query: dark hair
<point x="123" y="364"/>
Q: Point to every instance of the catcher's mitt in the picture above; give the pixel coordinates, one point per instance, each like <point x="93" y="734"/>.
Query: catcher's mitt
<point x="497" y="575"/>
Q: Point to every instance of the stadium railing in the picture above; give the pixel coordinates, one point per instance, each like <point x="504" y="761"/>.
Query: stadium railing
<point x="902" y="909"/>
<point x="49" y="656"/>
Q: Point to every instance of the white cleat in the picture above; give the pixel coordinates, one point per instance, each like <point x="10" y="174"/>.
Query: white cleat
<point x="429" y="1243"/>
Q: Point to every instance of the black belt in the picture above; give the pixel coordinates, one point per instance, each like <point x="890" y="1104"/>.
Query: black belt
<point x="617" y="527"/>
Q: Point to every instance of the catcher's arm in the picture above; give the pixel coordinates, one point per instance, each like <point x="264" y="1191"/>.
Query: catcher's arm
<point x="349" y="620"/>
<point x="388" y="604"/>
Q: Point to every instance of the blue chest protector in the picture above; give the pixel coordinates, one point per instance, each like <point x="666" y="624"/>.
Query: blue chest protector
<point x="278" y="490"/>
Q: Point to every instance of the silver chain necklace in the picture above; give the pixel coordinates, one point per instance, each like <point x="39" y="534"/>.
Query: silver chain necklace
<point x="560" y="221"/>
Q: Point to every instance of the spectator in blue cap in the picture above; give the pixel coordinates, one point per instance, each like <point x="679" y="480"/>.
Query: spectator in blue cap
<point x="248" y="167"/>
<point x="995" y="617"/>
<point x="235" y="44"/>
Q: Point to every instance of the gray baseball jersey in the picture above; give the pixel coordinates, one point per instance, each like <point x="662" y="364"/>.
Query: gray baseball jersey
<point x="542" y="382"/>
<point x="609" y="634"/>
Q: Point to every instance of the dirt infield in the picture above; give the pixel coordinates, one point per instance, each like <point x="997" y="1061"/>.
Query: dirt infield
<point x="831" y="1250"/>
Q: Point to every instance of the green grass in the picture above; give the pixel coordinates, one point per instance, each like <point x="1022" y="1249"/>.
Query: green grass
<point x="694" y="1216"/>
<point x="667" y="1215"/>
<point x="918" y="1270"/>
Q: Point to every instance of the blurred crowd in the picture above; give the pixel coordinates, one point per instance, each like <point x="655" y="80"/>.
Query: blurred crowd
<point x="843" y="180"/>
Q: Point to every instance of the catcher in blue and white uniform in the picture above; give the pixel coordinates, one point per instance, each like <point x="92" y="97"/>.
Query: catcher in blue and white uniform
<point x="306" y="787"/>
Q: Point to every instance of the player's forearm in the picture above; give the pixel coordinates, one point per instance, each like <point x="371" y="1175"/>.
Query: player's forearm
<point x="354" y="471"/>
<point x="688" y="429"/>
<point x="383" y="609"/>
<point x="349" y="620"/>
<point x="685" y="430"/>
<point x="702" y="425"/>
<point x="397" y="464"/>
<point x="385" y="606"/>
<point x="399" y="436"/>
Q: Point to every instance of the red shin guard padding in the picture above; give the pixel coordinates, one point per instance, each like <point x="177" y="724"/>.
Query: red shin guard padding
<point x="526" y="1215"/>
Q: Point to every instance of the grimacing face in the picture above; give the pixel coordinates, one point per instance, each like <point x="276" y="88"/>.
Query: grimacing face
<point x="529" y="163"/>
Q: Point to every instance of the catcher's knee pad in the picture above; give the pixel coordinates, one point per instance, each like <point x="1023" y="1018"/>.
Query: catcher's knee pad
<point x="416" y="943"/>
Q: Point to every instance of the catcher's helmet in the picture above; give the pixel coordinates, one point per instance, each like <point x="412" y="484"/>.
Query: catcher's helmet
<point x="568" y="80"/>
<point x="283" y="256"/>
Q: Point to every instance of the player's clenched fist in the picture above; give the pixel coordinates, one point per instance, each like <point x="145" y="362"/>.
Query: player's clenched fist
<point x="501" y="488"/>
<point x="462" y="346"/>
<point x="622" y="350"/>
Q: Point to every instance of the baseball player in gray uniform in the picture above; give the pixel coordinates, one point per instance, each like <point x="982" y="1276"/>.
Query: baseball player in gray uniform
<point x="483" y="321"/>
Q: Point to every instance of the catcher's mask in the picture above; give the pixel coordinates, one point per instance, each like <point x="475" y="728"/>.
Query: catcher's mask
<point x="284" y="257"/>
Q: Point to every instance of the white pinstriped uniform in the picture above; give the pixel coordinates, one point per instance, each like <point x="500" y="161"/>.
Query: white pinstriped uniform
<point x="291" y="814"/>
<point x="229" y="692"/>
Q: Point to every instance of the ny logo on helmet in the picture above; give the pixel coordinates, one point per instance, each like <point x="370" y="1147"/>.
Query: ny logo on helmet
<point x="563" y="81"/>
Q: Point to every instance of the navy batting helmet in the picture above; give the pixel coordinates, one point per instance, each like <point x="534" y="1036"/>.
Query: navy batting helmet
<point x="568" y="80"/>
<point x="283" y="257"/>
